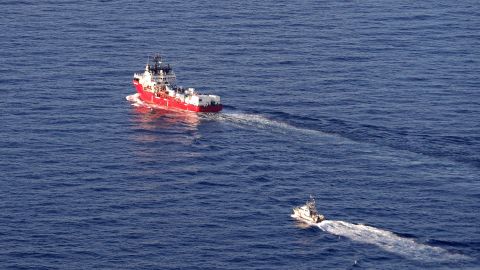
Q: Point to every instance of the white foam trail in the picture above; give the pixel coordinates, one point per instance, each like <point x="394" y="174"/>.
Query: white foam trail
<point x="389" y="241"/>
<point x="259" y="121"/>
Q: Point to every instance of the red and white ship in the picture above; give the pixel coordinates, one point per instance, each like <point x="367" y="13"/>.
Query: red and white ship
<point x="157" y="85"/>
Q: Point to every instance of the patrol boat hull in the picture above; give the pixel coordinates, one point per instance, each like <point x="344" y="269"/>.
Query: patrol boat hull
<point x="308" y="212"/>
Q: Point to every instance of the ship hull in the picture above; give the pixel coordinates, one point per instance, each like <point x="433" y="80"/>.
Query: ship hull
<point x="171" y="102"/>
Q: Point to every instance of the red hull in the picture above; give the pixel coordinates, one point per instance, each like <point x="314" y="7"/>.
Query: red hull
<point x="171" y="102"/>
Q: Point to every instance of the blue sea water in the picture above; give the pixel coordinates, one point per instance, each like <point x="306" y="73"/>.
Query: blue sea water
<point x="371" y="106"/>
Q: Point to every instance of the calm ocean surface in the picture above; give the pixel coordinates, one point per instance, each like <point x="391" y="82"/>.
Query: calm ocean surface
<point x="371" y="106"/>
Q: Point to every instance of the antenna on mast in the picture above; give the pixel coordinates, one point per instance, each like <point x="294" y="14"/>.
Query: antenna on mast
<point x="157" y="58"/>
<point x="147" y="66"/>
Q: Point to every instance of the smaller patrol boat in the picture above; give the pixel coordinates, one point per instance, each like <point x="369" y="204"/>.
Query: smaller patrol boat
<point x="308" y="212"/>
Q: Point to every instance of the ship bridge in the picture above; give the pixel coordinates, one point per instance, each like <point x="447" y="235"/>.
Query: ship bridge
<point x="161" y="73"/>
